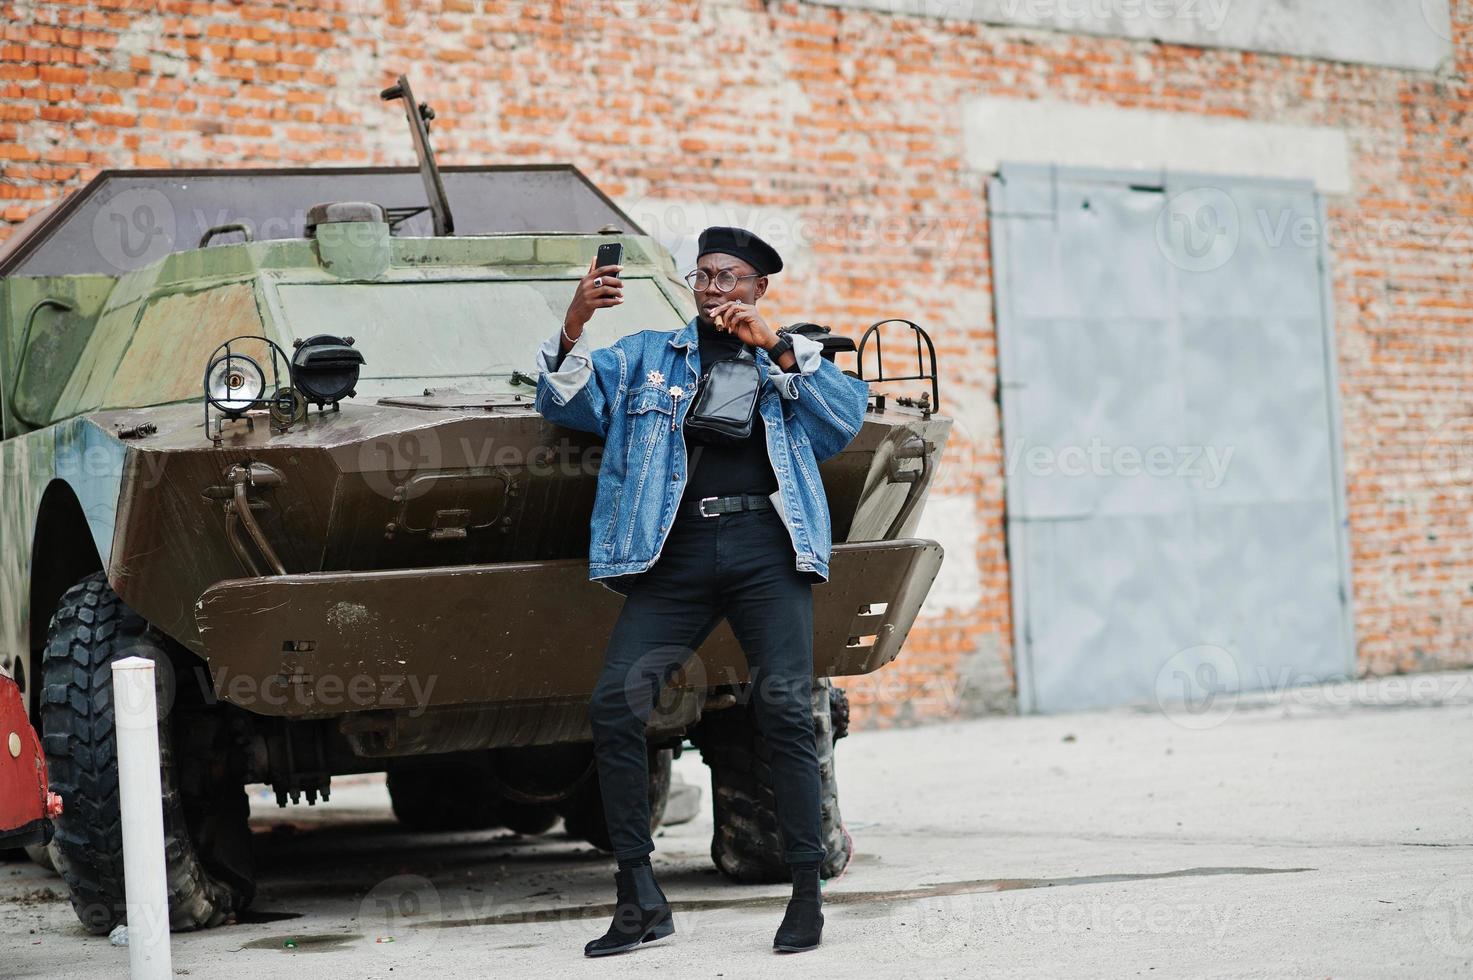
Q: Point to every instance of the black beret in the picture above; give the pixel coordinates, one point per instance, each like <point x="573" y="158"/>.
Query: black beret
<point x="744" y="245"/>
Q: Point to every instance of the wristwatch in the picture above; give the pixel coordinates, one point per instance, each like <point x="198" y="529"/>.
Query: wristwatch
<point x="784" y="343"/>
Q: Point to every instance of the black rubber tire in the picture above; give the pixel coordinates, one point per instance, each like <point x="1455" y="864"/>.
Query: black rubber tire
<point x="445" y="796"/>
<point x="40" y="855"/>
<point x="746" y="844"/>
<point x="839" y="710"/>
<point x="583" y="812"/>
<point x="528" y="819"/>
<point x="210" y="873"/>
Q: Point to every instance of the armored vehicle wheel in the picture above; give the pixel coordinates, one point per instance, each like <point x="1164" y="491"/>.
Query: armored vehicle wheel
<point x="40" y="854"/>
<point x="746" y="845"/>
<point x="207" y="843"/>
<point x="445" y="796"/>
<point x="530" y="819"/>
<point x="583" y="812"/>
<point x="839" y="711"/>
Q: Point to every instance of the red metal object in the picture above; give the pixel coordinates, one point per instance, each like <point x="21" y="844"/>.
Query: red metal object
<point x="26" y="801"/>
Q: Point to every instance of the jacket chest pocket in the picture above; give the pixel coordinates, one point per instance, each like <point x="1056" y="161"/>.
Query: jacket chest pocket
<point x="650" y="409"/>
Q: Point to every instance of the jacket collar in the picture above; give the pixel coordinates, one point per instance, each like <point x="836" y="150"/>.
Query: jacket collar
<point x="685" y="335"/>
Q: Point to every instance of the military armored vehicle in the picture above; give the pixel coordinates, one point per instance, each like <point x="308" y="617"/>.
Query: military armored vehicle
<point x="274" y="430"/>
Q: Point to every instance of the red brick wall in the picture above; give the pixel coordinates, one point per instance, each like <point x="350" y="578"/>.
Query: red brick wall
<point x="836" y="115"/>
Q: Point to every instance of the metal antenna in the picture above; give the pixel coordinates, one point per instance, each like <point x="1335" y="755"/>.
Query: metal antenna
<point x="419" y="116"/>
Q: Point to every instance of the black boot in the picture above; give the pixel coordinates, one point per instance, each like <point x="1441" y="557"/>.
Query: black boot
<point x="641" y="913"/>
<point x="803" y="922"/>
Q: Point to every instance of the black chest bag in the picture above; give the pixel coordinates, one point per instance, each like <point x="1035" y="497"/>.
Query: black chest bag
<point x="725" y="403"/>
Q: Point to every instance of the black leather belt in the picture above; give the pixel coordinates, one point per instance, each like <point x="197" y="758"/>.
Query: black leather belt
<point x="716" y="506"/>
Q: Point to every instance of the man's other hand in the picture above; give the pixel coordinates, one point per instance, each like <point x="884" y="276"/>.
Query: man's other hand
<point x="743" y="321"/>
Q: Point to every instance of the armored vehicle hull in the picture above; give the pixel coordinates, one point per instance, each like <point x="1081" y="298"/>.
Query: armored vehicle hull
<point x="396" y="581"/>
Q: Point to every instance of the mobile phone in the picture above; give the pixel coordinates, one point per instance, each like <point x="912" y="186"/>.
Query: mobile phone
<point x="609" y="253"/>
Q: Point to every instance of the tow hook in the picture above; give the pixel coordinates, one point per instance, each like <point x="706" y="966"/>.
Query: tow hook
<point x="914" y="447"/>
<point x="240" y="480"/>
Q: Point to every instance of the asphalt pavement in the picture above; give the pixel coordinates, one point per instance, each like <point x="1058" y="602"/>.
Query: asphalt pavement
<point x="1318" y="832"/>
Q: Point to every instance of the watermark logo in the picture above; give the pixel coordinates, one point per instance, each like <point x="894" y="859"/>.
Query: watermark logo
<point x="1447" y="917"/>
<point x="133" y="228"/>
<point x="165" y="687"/>
<point x="395" y="906"/>
<point x="402" y="466"/>
<point x="1447" y="455"/>
<point x="934" y="928"/>
<point x="390" y="463"/>
<point x="1437" y="15"/>
<point x="652" y="683"/>
<point x="1194" y="685"/>
<point x="1198" y="230"/>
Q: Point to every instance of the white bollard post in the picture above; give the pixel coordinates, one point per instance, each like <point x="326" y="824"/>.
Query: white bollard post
<point x="135" y="722"/>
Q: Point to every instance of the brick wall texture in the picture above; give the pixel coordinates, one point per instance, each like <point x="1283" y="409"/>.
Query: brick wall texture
<point x="849" y="120"/>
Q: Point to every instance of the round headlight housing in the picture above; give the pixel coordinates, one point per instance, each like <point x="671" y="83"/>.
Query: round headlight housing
<point x="238" y="386"/>
<point x="234" y="383"/>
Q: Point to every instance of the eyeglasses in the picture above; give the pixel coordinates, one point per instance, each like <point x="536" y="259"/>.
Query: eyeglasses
<point x="726" y="280"/>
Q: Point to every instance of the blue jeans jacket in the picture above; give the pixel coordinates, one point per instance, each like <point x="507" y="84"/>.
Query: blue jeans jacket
<point x="635" y="394"/>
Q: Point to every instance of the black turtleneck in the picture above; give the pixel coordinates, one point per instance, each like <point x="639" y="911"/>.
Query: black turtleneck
<point x="726" y="470"/>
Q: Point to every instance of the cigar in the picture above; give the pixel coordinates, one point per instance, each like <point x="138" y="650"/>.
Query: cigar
<point x="720" y="325"/>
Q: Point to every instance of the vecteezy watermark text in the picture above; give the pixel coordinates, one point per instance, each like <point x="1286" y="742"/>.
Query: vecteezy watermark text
<point x="328" y="690"/>
<point x="1207" y="463"/>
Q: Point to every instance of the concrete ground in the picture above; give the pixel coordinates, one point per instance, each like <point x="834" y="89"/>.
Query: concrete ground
<point x="1322" y="832"/>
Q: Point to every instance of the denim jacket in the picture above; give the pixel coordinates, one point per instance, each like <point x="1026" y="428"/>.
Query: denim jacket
<point x="635" y="394"/>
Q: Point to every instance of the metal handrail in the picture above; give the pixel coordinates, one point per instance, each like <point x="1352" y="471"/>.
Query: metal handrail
<point x="920" y="361"/>
<point x="222" y="229"/>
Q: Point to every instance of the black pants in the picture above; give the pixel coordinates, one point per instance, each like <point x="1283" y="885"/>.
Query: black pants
<point x="739" y="566"/>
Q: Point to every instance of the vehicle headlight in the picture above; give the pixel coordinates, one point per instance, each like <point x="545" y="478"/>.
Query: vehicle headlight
<point x="234" y="383"/>
<point x="237" y="386"/>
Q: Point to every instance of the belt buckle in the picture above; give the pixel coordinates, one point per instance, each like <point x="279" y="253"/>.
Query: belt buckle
<point x="702" y="507"/>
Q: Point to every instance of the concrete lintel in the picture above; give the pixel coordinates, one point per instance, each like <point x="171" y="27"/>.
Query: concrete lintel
<point x="1103" y="136"/>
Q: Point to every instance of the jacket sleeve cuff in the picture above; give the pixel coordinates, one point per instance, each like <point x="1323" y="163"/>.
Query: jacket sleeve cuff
<point x="808" y="353"/>
<point x="576" y="367"/>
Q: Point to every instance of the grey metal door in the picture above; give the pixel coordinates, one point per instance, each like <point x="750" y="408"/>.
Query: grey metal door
<point x="1174" y="485"/>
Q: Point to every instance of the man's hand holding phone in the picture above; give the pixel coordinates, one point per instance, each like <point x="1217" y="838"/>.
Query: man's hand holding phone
<point x="599" y="289"/>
